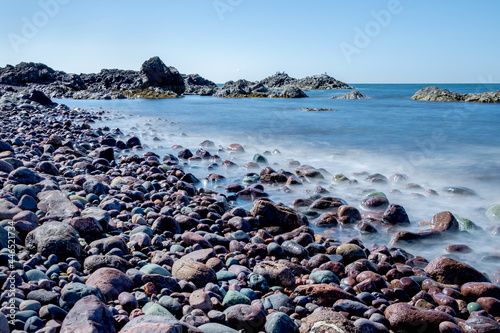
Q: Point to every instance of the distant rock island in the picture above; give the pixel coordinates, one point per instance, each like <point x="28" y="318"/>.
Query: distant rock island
<point x="153" y="80"/>
<point x="435" y="94"/>
<point x="354" y="94"/>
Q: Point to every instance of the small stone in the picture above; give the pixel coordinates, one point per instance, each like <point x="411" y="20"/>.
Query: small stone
<point x="155" y="269"/>
<point x="444" y="221"/>
<point x="199" y="299"/>
<point x="324" y="277"/>
<point x="249" y="318"/>
<point x="350" y="252"/>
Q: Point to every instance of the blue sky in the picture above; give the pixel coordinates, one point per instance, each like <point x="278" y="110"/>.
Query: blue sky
<point x="355" y="41"/>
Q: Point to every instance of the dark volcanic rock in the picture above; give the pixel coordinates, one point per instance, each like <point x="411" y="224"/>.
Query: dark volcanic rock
<point x="156" y="74"/>
<point x="322" y="81"/>
<point x="242" y="88"/>
<point x="27" y="72"/>
<point x="197" y="85"/>
<point x="278" y="81"/>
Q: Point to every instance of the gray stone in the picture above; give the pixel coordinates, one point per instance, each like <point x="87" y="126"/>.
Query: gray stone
<point x="279" y="322"/>
<point x="74" y="291"/>
<point x="54" y="238"/>
<point x="56" y="204"/>
<point x="24" y="175"/>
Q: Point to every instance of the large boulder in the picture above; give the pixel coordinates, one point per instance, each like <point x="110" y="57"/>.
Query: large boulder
<point x="156" y="74"/>
<point x="89" y="315"/>
<point x="278" y="215"/>
<point x="54" y="238"/>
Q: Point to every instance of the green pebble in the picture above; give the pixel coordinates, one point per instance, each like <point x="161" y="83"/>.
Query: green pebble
<point x="473" y="306"/>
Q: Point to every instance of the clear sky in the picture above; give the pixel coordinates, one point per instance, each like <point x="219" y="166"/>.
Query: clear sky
<point x="364" y="41"/>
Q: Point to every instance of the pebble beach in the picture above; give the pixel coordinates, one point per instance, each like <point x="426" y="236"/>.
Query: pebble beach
<point x="102" y="235"/>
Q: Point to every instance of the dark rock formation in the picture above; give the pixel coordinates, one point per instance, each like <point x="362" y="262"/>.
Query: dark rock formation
<point x="242" y="88"/>
<point x="322" y="81"/>
<point x="435" y="94"/>
<point x="292" y="92"/>
<point x="154" y="73"/>
<point x="154" y="80"/>
<point x="278" y="81"/>
<point x="197" y="85"/>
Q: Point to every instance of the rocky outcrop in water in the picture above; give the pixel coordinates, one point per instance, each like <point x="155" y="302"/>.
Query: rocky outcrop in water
<point x="197" y="85"/>
<point x="154" y="80"/>
<point x="242" y="88"/>
<point x="322" y="81"/>
<point x="435" y="94"/>
<point x="280" y="80"/>
<point x="354" y="94"/>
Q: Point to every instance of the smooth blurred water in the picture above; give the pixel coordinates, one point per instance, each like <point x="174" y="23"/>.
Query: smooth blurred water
<point x="435" y="144"/>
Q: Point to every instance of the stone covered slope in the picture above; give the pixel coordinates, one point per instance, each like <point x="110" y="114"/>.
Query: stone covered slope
<point x="435" y="94"/>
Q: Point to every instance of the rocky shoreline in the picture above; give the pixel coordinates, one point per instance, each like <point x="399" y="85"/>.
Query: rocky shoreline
<point x="110" y="237"/>
<point x="154" y="80"/>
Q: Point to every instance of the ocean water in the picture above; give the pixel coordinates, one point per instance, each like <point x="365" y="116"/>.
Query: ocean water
<point x="435" y="144"/>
